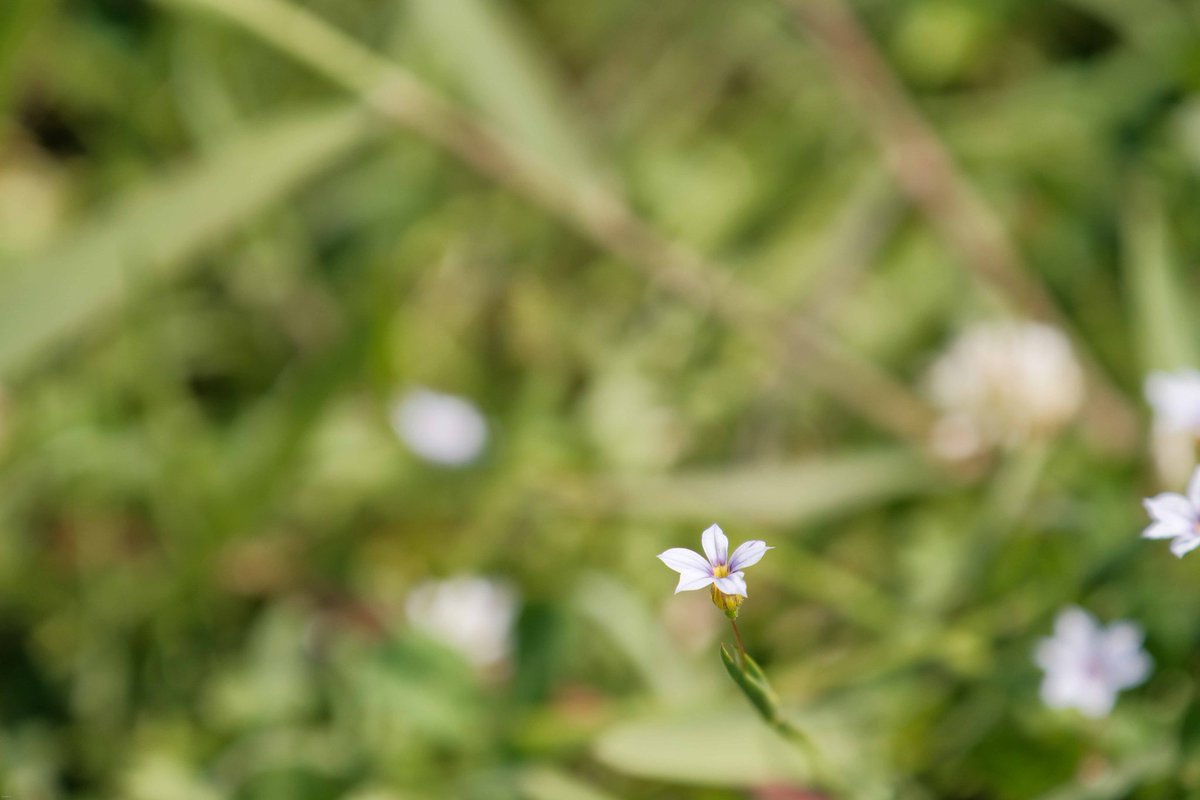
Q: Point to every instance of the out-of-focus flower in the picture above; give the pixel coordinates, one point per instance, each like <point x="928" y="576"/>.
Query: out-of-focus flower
<point x="1086" y="664"/>
<point x="1004" y="383"/>
<point x="442" y="428"/>
<point x="472" y="614"/>
<point x="1175" y="399"/>
<point x="1176" y="517"/>
<point x="716" y="568"/>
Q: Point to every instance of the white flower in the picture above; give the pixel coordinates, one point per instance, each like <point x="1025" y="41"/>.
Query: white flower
<point x="1175" y="398"/>
<point x="716" y="568"/>
<point x="473" y="615"/>
<point x="441" y="428"/>
<point x="1003" y="383"/>
<point x="1176" y="517"/>
<point x="1086" y="665"/>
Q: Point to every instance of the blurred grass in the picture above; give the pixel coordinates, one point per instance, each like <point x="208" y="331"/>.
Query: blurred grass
<point x="217" y="272"/>
<point x="160" y="228"/>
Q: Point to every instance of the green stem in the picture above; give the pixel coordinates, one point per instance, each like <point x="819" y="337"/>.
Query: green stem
<point x="737" y="635"/>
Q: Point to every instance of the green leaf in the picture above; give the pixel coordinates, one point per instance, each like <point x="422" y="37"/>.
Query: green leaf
<point x="750" y="679"/>
<point x="154" y="231"/>
<point x="547" y="783"/>
<point x="618" y="612"/>
<point x="729" y="747"/>
<point x="501" y="68"/>
<point x="1161" y="312"/>
<point x="778" y="493"/>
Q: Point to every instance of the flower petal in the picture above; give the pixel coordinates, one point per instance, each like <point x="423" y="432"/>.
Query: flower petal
<point x="716" y="544"/>
<point x="1184" y="545"/>
<point x="690" y="580"/>
<point x="683" y="560"/>
<point x="732" y="584"/>
<point x="1075" y="629"/>
<point x="748" y="554"/>
<point x="1166" y="530"/>
<point x="1170" y="507"/>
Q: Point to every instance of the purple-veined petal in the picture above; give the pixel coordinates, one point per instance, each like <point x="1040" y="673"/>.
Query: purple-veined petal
<point x="748" y="554"/>
<point x="693" y="579"/>
<point x="716" y="544"/>
<point x="1170" y="507"/>
<point x="1166" y="530"/>
<point x="732" y="584"/>
<point x="683" y="560"/>
<point x="1184" y="545"/>
<point x="1193" y="489"/>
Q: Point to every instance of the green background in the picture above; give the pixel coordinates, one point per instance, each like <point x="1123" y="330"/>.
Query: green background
<point x="227" y="240"/>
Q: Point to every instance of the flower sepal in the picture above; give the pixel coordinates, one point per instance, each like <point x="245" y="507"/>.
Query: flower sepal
<point x="750" y="678"/>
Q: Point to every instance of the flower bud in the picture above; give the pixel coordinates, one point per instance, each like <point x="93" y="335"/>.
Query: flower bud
<point x="729" y="603"/>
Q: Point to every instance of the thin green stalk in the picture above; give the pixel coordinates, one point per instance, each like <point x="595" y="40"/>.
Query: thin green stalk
<point x="740" y="645"/>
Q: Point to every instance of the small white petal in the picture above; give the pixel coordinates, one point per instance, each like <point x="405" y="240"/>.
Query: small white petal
<point x="1170" y="507"/>
<point x="1166" y="530"/>
<point x="1127" y="664"/>
<point x="1095" y="700"/>
<point x="683" y="560"/>
<point x="1074" y="627"/>
<point x="694" y="579"/>
<point x="748" y="554"/>
<point x="732" y="584"/>
<point x="716" y="544"/>
<point x="1049" y="654"/>
<point x="1175" y="397"/>
<point x="442" y="428"/>
<point x="1184" y="545"/>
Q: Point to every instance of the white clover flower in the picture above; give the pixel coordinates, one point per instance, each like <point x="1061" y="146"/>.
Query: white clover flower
<point x="716" y="568"/>
<point x="1176" y="517"/>
<point x="441" y="428"/>
<point x="1175" y="399"/>
<point x="1086" y="665"/>
<point x="471" y="614"/>
<point x="1004" y="383"/>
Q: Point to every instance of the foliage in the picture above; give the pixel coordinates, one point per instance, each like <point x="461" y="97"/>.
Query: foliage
<point x="668" y="249"/>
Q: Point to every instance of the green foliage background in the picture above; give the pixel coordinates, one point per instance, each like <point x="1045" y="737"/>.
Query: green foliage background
<point x="219" y="262"/>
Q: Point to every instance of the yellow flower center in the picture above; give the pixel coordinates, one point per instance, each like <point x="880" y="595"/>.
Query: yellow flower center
<point x="726" y="602"/>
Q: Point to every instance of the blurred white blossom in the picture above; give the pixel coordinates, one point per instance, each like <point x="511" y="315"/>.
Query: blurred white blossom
<point x="1175" y="399"/>
<point x="1086" y="665"/>
<point x="1177" y="517"/>
<point x="442" y="428"/>
<point x="472" y="614"/>
<point x="1004" y="383"/>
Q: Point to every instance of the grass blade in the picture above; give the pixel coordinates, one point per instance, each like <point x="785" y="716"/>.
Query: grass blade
<point x="156" y="229"/>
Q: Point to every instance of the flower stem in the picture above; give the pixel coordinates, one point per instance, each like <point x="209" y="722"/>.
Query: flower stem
<point x="738" y="636"/>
